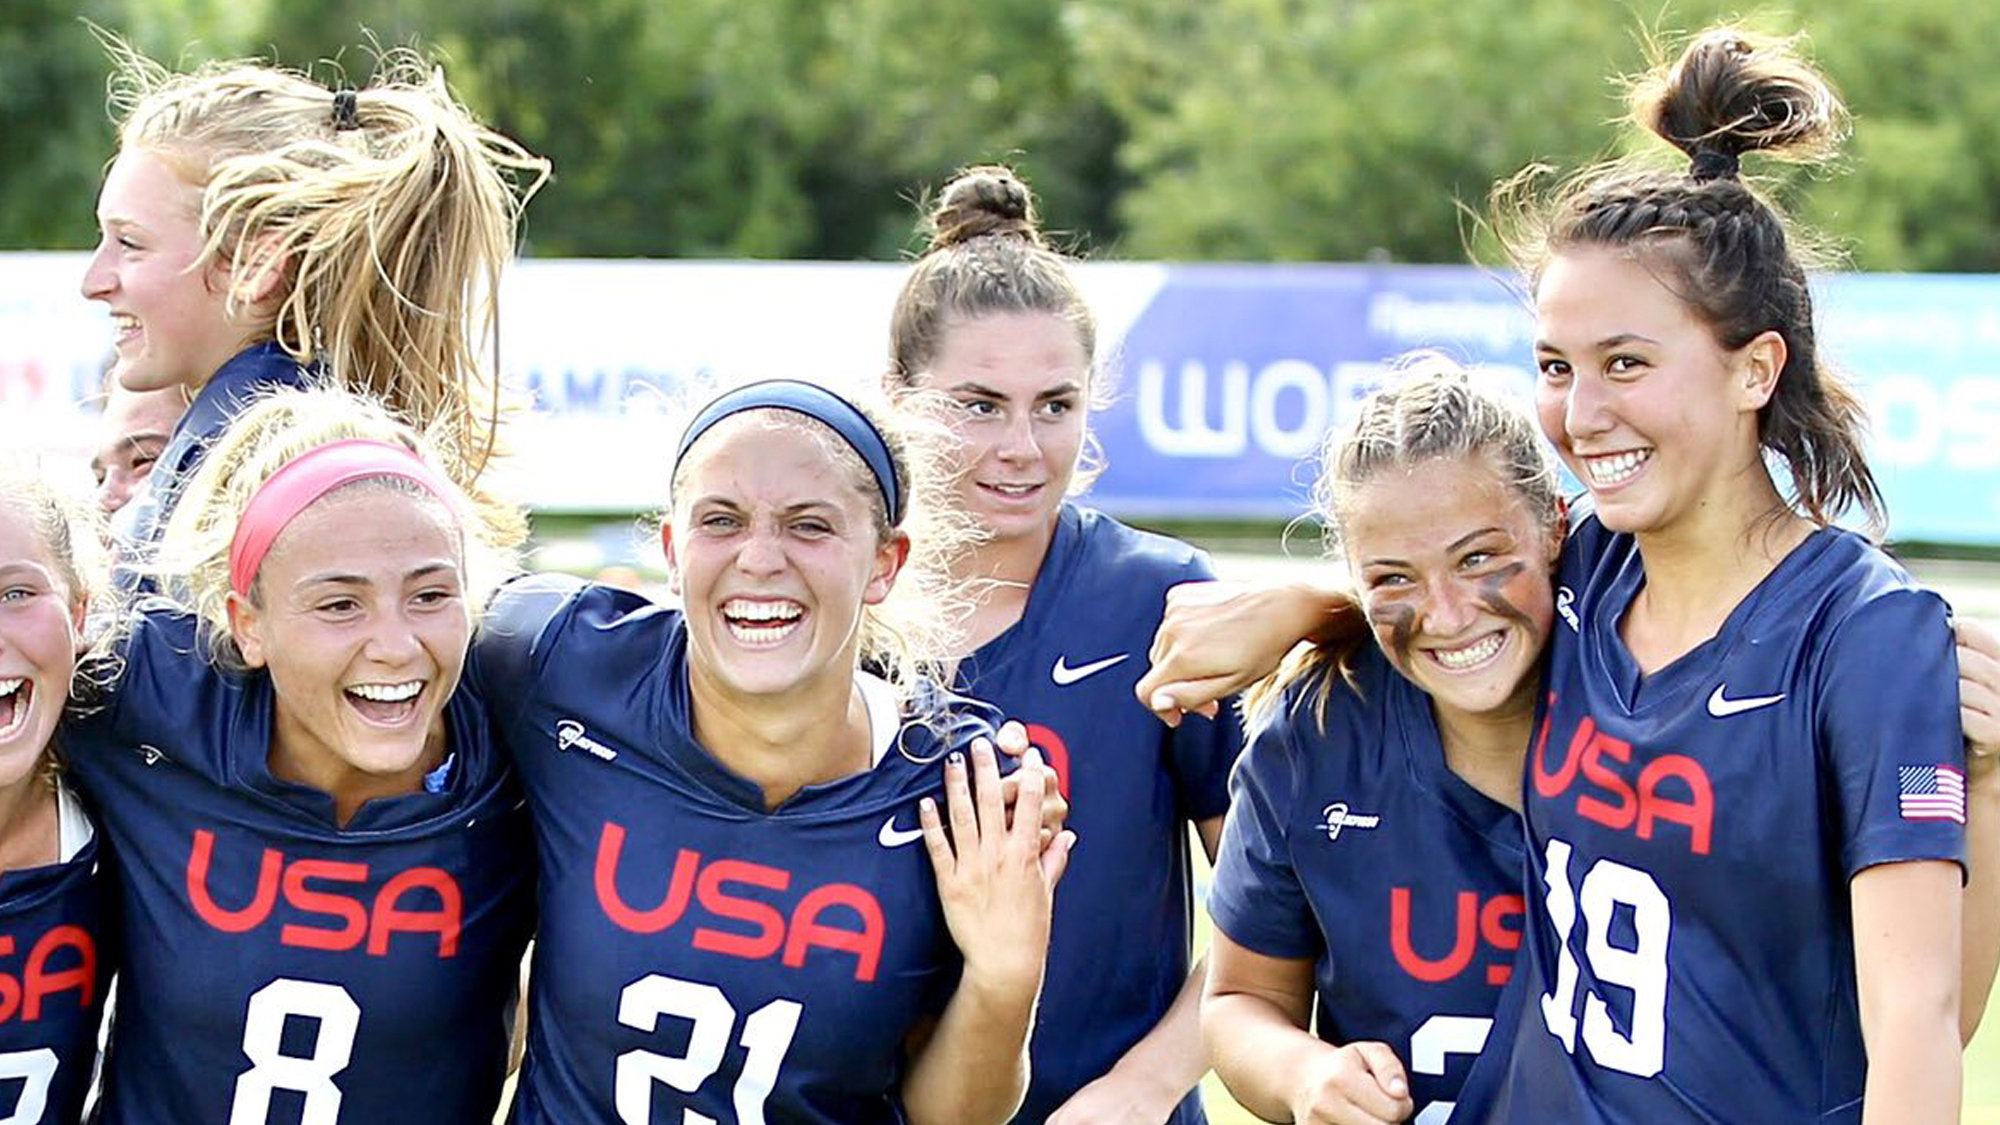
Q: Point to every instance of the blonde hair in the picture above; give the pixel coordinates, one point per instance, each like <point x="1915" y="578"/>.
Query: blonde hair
<point x="388" y="212"/>
<point x="193" y="563"/>
<point x="70" y="530"/>
<point x="1437" y="411"/>
<point x="66" y="526"/>
<point x="912" y="636"/>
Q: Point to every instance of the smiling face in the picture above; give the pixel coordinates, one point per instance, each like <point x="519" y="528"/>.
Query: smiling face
<point x="774" y="549"/>
<point x="1651" y="413"/>
<point x="361" y="622"/>
<point x="1019" y="381"/>
<point x="40" y="621"/>
<point x="1454" y="570"/>
<point x="170" y="318"/>
<point x="135" y="428"/>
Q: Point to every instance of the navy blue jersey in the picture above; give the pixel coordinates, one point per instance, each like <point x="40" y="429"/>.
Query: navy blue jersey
<point x="700" y="957"/>
<point x="1692" y="833"/>
<point x="1118" y="952"/>
<point x="1353" y="844"/>
<point x="56" y="957"/>
<point x="280" y="969"/>
<point x="256" y="370"/>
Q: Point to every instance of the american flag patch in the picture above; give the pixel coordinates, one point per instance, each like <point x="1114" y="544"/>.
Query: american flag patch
<point x="1931" y="793"/>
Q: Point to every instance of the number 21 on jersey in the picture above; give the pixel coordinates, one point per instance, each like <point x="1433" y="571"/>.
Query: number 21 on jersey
<point x="1642" y="969"/>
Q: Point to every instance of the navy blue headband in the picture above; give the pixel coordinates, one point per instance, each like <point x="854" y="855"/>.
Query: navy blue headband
<point x="814" y="402"/>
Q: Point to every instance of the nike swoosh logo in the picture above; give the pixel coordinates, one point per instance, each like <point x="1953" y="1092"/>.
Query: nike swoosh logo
<point x="1064" y="675"/>
<point x="1721" y="706"/>
<point x="893" y="837"/>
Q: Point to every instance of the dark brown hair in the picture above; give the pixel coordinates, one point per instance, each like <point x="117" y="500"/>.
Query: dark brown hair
<point x="1718" y="243"/>
<point x="986" y="255"/>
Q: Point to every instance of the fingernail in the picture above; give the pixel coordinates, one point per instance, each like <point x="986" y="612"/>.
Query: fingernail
<point x="1162" y="701"/>
<point x="957" y="758"/>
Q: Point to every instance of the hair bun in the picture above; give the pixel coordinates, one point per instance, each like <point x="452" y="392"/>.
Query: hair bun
<point x="988" y="200"/>
<point x="1733" y="92"/>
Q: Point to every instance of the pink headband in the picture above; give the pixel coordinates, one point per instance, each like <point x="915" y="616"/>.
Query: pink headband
<point x="308" y="477"/>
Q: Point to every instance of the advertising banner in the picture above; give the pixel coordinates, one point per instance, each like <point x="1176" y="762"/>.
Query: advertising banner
<point x="1224" y="379"/>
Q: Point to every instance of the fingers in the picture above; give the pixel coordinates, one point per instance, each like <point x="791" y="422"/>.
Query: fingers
<point x="988" y="803"/>
<point x="1013" y="738"/>
<point x="1979" y="687"/>
<point x="1365" y="1085"/>
<point x="1390" y="1079"/>
<point x="935" y="842"/>
<point x="1171" y="699"/>
<point x="1055" y="857"/>
<point x="958" y="802"/>
<point x="1978" y="636"/>
<point x="1027" y="825"/>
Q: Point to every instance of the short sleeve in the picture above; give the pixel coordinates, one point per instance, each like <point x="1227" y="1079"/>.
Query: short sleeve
<point x="1256" y="897"/>
<point x="515" y="634"/>
<point x="1201" y="752"/>
<point x="1890" y="733"/>
<point x="165" y="683"/>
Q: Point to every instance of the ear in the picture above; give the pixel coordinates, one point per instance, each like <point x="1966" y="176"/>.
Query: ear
<point x="246" y="629"/>
<point x="889" y="560"/>
<point x="673" y="564"/>
<point x="1558" y="534"/>
<point x="79" y="612"/>
<point x="1759" y="363"/>
<point x="257" y="275"/>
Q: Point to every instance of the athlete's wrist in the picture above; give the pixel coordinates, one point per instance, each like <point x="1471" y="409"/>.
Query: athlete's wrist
<point x="1000" y="992"/>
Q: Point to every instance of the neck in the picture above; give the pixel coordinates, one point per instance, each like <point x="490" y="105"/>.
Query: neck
<point x="28" y="822"/>
<point x="1489" y="749"/>
<point x="1002" y="572"/>
<point x="1701" y="569"/>
<point x="783" y="743"/>
<point x="350" y="787"/>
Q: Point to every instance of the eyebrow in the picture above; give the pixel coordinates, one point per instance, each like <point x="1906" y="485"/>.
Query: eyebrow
<point x="341" y="578"/>
<point x="1067" y="387"/>
<point x="1455" y="545"/>
<point x="789" y="509"/>
<point x="1615" y="340"/>
<point x="143" y="437"/>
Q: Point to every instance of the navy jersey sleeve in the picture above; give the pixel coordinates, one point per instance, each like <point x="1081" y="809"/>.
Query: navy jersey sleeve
<point x="1890" y="732"/>
<point x="1202" y="751"/>
<point x="159" y="679"/>
<point x="1256" y="898"/>
<point x="515" y="635"/>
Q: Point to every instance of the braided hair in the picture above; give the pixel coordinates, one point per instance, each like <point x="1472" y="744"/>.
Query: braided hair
<point x="1719" y="243"/>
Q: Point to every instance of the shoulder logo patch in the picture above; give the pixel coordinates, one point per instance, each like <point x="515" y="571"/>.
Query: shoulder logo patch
<point x="1721" y="706"/>
<point x="1566" y="606"/>
<point x="1064" y="675"/>
<point x="1337" y="817"/>
<point x="570" y="735"/>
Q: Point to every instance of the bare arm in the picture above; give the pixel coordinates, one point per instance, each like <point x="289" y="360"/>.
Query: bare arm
<point x="1254" y="1016"/>
<point x="1218" y="638"/>
<point x="1979" y="712"/>
<point x="996" y="882"/>
<point x="1152" y="1077"/>
<point x="1906" y="961"/>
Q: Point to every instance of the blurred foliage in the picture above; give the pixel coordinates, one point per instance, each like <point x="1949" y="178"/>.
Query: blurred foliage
<point x="1187" y="129"/>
